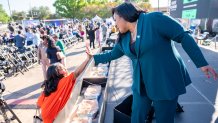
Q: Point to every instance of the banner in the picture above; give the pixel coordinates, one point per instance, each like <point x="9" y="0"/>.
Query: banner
<point x="194" y="9"/>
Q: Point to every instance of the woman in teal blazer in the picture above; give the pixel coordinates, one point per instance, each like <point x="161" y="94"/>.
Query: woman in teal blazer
<point x="159" y="73"/>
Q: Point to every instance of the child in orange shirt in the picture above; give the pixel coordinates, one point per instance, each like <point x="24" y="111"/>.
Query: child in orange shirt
<point x="57" y="89"/>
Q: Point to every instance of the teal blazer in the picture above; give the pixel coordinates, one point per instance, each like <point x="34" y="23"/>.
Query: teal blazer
<point x="158" y="69"/>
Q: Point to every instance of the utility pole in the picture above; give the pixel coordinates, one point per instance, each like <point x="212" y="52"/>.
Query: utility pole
<point x="169" y="5"/>
<point x="31" y="10"/>
<point x="9" y="9"/>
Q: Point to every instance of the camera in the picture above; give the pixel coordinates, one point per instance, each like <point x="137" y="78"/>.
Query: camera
<point x="4" y="107"/>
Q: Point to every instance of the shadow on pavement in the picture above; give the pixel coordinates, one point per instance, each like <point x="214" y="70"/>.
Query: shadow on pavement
<point x="22" y="92"/>
<point x="75" y="53"/>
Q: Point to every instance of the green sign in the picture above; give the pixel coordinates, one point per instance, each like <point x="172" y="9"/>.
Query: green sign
<point x="189" y="1"/>
<point x="190" y="14"/>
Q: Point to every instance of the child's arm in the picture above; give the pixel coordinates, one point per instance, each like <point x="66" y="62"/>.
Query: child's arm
<point x="81" y="68"/>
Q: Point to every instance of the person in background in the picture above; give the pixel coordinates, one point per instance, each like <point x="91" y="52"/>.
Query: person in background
<point x="91" y="33"/>
<point x="76" y="32"/>
<point x="19" y="41"/>
<point x="81" y="32"/>
<point x="36" y="38"/>
<point x="11" y="38"/>
<point x="113" y="30"/>
<point x="61" y="34"/>
<point x="42" y="55"/>
<point x="42" y="32"/>
<point x="104" y="31"/>
<point x="60" y="44"/>
<point x="5" y="38"/>
<point x="57" y="90"/>
<point x="98" y="36"/>
<point x="52" y="50"/>
<point x="159" y="73"/>
<point x="52" y="31"/>
<point x="47" y="30"/>
<point x="11" y="27"/>
<point x="29" y="36"/>
<point x="1" y="39"/>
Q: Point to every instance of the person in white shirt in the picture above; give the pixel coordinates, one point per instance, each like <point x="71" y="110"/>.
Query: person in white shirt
<point x="29" y="37"/>
<point x="36" y="38"/>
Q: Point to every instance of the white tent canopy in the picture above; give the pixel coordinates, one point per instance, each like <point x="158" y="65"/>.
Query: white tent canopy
<point x="110" y="21"/>
<point x="96" y="18"/>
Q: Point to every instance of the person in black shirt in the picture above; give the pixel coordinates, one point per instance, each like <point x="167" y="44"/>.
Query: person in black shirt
<point x="52" y="50"/>
<point x="91" y="32"/>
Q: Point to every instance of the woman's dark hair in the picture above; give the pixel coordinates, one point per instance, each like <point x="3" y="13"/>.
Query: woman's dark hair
<point x="45" y="37"/>
<point x="127" y="11"/>
<point x="51" y="42"/>
<point x="53" y="78"/>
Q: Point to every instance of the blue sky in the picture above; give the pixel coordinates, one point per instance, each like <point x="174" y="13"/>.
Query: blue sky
<point x="25" y="5"/>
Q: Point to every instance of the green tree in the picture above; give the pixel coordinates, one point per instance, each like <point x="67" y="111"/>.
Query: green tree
<point x="137" y="0"/>
<point x="54" y="16"/>
<point x="69" y="8"/>
<point x="3" y="15"/>
<point x="103" y="10"/>
<point x="18" y="15"/>
<point x="89" y="8"/>
<point x="42" y="12"/>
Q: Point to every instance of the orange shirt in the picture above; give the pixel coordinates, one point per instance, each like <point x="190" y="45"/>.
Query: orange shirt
<point x="52" y="104"/>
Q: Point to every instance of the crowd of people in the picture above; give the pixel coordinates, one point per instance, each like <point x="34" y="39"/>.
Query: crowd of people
<point x="51" y="53"/>
<point x="58" y="82"/>
<point x="48" y="39"/>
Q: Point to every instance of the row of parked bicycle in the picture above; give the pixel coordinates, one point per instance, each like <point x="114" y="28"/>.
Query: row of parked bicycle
<point x="14" y="61"/>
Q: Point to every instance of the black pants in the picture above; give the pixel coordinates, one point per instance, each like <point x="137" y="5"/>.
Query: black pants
<point x="164" y="109"/>
<point x="104" y="37"/>
<point x="92" y="43"/>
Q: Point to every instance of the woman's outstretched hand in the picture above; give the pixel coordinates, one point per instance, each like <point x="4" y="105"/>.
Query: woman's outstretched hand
<point x="209" y="71"/>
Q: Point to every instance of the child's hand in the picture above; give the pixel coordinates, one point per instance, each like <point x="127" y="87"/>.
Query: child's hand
<point x="89" y="53"/>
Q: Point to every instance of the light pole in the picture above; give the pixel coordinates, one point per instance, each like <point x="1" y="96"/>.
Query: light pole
<point x="31" y="10"/>
<point x="9" y="9"/>
<point x="169" y="5"/>
<point x="158" y="7"/>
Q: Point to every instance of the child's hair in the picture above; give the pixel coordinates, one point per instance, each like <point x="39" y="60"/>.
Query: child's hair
<point x="53" y="78"/>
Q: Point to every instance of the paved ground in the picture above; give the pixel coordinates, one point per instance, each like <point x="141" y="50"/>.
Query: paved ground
<point x="23" y="90"/>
